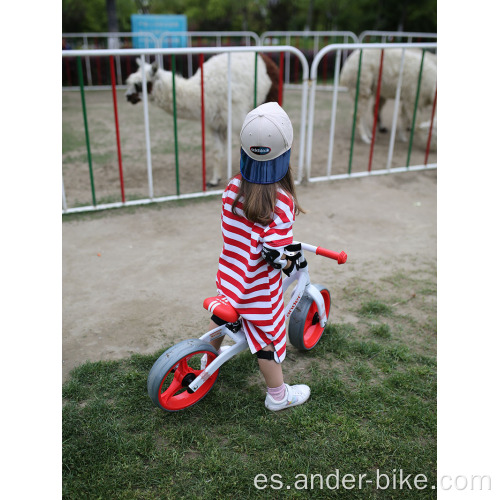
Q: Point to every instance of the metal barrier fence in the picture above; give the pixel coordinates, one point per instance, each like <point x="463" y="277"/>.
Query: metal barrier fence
<point x="308" y="136"/>
<point x="395" y="37"/>
<point x="86" y="41"/>
<point x="207" y="38"/>
<point x="311" y="109"/>
<point x="309" y="42"/>
<point x="319" y="39"/>
<point x="110" y="55"/>
<point x="110" y="40"/>
<point x="221" y="38"/>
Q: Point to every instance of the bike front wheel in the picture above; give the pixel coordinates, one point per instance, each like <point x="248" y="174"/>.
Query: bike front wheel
<point x="174" y="370"/>
<point x="304" y="328"/>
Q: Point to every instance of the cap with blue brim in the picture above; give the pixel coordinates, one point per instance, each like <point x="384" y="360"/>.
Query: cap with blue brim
<point x="266" y="141"/>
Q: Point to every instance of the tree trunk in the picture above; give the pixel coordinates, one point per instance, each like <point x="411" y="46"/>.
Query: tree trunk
<point x="309" y="20"/>
<point x="402" y="19"/>
<point x="113" y="43"/>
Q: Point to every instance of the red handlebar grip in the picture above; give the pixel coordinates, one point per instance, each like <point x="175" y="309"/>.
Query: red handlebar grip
<point x="339" y="257"/>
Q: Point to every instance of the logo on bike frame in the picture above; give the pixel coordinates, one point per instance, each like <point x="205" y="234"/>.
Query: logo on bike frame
<point x="294" y="305"/>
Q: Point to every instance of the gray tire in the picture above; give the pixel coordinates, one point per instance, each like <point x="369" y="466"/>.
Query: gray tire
<point x="304" y="329"/>
<point x="174" y="370"/>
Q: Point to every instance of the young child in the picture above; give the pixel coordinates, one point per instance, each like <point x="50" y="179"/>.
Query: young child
<point x="258" y="211"/>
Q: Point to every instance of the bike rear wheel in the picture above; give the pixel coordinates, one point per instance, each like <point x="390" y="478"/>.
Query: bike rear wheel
<point x="304" y="328"/>
<point x="174" y="370"/>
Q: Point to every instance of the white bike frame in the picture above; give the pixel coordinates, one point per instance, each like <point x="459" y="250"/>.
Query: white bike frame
<point x="240" y="342"/>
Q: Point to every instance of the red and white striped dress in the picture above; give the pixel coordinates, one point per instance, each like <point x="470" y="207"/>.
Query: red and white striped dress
<point x="252" y="286"/>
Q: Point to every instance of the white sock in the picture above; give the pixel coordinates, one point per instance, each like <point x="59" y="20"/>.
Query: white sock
<point x="277" y="393"/>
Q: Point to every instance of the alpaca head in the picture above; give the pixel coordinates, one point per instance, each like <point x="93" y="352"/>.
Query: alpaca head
<point x="134" y="81"/>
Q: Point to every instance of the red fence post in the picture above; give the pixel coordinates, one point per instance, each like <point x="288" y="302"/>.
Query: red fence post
<point x="427" y="149"/>
<point x="117" y="128"/>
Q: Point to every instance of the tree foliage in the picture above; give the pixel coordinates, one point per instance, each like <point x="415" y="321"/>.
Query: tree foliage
<point x="261" y="15"/>
<point x="89" y="16"/>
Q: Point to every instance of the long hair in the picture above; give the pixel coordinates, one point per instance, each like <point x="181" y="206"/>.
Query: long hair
<point x="259" y="200"/>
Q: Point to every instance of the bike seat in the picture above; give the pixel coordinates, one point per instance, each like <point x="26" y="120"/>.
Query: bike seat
<point x="221" y="307"/>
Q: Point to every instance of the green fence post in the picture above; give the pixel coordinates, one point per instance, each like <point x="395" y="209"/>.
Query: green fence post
<point x="84" y="109"/>
<point x="353" y="133"/>
<point x="415" y="109"/>
<point x="175" y="128"/>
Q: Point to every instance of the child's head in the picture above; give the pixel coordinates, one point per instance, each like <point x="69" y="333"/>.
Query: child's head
<point x="266" y="141"/>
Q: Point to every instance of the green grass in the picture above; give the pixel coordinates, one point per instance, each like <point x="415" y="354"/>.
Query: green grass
<point x="72" y="140"/>
<point x="373" y="407"/>
<point x="375" y="308"/>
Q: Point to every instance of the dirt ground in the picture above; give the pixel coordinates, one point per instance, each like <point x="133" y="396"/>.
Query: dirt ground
<point x="134" y="280"/>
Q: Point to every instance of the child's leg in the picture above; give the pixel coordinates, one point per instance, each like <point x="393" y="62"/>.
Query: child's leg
<point x="280" y="395"/>
<point x="272" y="372"/>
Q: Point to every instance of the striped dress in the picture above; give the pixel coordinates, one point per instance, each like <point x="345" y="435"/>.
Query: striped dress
<point x="252" y="286"/>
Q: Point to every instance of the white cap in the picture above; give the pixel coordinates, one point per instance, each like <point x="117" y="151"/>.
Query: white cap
<point x="267" y="132"/>
<point x="266" y="135"/>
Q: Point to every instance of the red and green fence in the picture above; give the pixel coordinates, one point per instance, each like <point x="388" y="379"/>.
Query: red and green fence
<point x="359" y="161"/>
<point x="173" y="53"/>
<point x="96" y="72"/>
<point x="348" y="166"/>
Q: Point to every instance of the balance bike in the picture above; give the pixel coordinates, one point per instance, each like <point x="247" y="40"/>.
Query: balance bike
<point x="184" y="374"/>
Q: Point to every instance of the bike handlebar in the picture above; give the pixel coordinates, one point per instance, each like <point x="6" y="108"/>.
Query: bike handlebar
<point x="339" y="257"/>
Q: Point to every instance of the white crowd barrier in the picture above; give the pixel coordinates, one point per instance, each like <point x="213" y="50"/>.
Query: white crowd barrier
<point x="306" y="126"/>
<point x="142" y="54"/>
<point x="331" y="143"/>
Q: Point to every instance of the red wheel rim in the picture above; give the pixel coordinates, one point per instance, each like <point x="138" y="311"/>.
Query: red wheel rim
<point x="312" y="330"/>
<point x="172" y="395"/>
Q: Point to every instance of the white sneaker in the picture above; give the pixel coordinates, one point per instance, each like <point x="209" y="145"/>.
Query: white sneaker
<point x="294" y="395"/>
<point x="203" y="362"/>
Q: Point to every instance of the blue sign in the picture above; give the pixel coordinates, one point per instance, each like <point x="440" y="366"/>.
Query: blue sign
<point x="158" y="25"/>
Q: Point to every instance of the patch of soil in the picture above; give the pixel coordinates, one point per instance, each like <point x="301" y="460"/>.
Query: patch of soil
<point x="134" y="280"/>
<point x="167" y="175"/>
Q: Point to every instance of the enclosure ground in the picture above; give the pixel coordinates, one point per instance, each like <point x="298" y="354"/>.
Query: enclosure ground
<point x="167" y="178"/>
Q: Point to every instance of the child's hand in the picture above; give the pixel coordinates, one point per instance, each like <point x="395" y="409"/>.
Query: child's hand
<point x="274" y="258"/>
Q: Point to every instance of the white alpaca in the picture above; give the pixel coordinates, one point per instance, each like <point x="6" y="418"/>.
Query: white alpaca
<point x="370" y="64"/>
<point x="188" y="94"/>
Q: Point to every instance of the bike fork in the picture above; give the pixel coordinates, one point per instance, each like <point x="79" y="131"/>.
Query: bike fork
<point x="320" y="303"/>
<point x="239" y="346"/>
